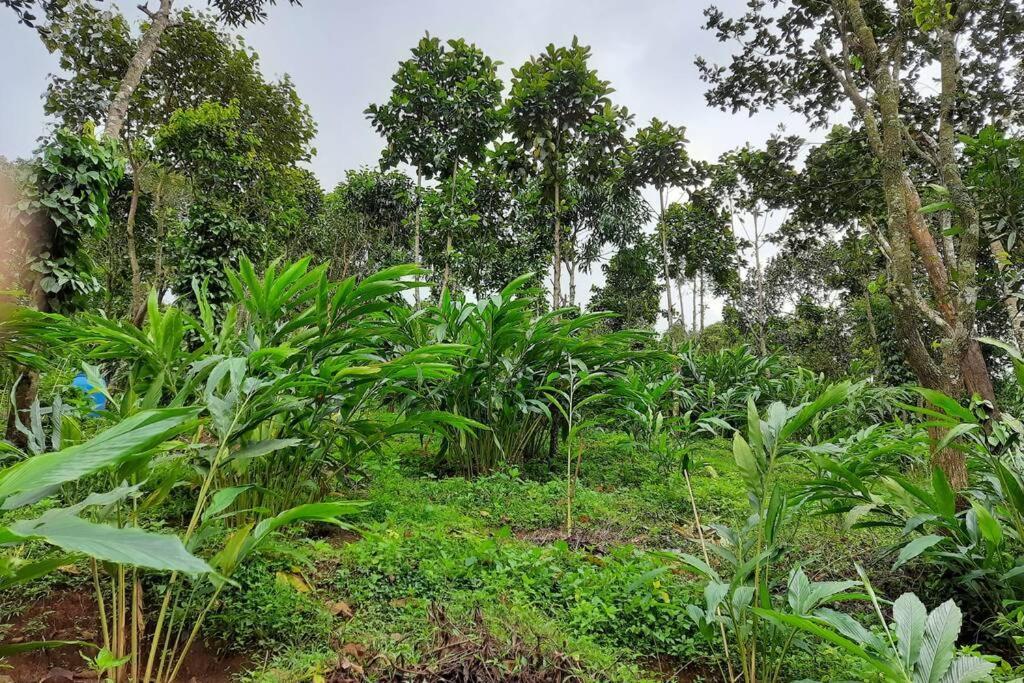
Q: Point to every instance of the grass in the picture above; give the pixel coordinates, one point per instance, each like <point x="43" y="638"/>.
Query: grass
<point x="492" y="552"/>
<point x="491" y="549"/>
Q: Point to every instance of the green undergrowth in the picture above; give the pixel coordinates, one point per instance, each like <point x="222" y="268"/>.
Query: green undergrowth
<point x="611" y="598"/>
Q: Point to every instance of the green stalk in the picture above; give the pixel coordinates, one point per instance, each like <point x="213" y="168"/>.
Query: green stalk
<point x="707" y="560"/>
<point x="193" y="522"/>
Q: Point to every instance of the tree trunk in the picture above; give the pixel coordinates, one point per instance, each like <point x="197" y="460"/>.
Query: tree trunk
<point x="664" y="255"/>
<point x="682" y="313"/>
<point x="556" y="258"/>
<point x="693" y="298"/>
<point x="759" y="298"/>
<point x="446" y="280"/>
<point x="118" y="109"/>
<point x="571" y="267"/>
<point x="158" y="218"/>
<point x="701" y="302"/>
<point x="416" y="231"/>
<point x="133" y="258"/>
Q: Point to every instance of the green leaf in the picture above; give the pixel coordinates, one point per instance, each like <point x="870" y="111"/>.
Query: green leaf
<point x="261" y="448"/>
<point x="915" y="548"/>
<point x="988" y="525"/>
<point x="130" y="545"/>
<point x="311" y="512"/>
<point x="968" y="669"/>
<point x="939" y="645"/>
<point x="910" y="616"/>
<point x="843" y="643"/>
<point x="223" y="499"/>
<point x="29" y="571"/>
<point x="955" y="433"/>
<point x="746" y="463"/>
<point x="130" y="437"/>
<point x="945" y="497"/>
<point x="32" y="646"/>
<point x="828" y="398"/>
<point x="951" y="406"/>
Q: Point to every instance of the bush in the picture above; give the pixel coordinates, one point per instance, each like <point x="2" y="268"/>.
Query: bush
<point x="268" y="611"/>
<point x="628" y="598"/>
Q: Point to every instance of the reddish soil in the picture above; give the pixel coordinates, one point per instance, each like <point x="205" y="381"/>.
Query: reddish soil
<point x="672" y="670"/>
<point x="71" y="615"/>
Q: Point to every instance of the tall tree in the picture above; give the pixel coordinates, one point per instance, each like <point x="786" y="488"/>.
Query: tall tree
<point x="498" y="225"/>
<point x="233" y="186"/>
<point x="756" y="183"/>
<point x="630" y="287"/>
<point x="700" y="240"/>
<point x="197" y="63"/>
<point x="658" y="158"/>
<point x="872" y="57"/>
<point x="554" y="96"/>
<point x="601" y="202"/>
<point x="444" y="109"/>
<point x="232" y="12"/>
<point x="369" y="214"/>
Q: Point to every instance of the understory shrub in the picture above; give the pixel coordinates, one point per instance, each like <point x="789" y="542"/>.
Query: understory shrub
<point x="272" y="608"/>
<point x="627" y="598"/>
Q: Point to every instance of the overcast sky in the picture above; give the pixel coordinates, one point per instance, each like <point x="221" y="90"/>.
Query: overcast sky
<point x="341" y="55"/>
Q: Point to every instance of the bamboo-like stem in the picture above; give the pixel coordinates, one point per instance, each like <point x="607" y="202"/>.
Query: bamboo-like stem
<point x="194" y="632"/>
<point x="707" y="560"/>
<point x="101" y="604"/>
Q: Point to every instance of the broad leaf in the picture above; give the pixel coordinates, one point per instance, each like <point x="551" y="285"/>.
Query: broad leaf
<point x="133" y="435"/>
<point x="131" y="546"/>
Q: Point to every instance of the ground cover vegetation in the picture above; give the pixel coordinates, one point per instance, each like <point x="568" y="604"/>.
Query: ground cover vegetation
<point x="259" y="431"/>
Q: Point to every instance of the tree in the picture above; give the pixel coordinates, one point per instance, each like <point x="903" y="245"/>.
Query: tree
<point x="815" y="58"/>
<point x="757" y="182"/>
<point x="222" y="161"/>
<point x="699" y="237"/>
<point x="498" y="225"/>
<point x="658" y="157"/>
<point x="630" y="287"/>
<point x="608" y="215"/>
<point x="445" y="108"/>
<point x="197" y="63"/>
<point x="368" y="216"/>
<point x="836" y="193"/>
<point x="997" y="173"/>
<point x="62" y="201"/>
<point x="232" y="12"/>
<point x="553" y="98"/>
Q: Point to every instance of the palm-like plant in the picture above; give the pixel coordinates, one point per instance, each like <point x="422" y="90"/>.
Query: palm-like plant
<point x="917" y="647"/>
<point x="503" y="379"/>
<point x="750" y="553"/>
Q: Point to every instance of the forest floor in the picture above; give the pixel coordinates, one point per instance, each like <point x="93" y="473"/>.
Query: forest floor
<point x="475" y="580"/>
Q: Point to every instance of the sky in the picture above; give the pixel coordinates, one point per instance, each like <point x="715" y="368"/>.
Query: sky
<point x="341" y="55"/>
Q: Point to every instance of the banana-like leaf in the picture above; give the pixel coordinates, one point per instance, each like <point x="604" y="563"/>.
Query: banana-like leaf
<point x="910" y="616"/>
<point x="746" y="462"/>
<point x="939" y="644"/>
<point x="849" y="646"/>
<point x="967" y="670"/>
<point x="133" y="435"/>
<point x="951" y="406"/>
<point x="128" y="545"/>
<point x="23" y="572"/>
<point x="32" y="646"/>
<point x="915" y="548"/>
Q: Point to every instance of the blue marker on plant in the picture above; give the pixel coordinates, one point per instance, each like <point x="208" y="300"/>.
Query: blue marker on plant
<point x="95" y="394"/>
